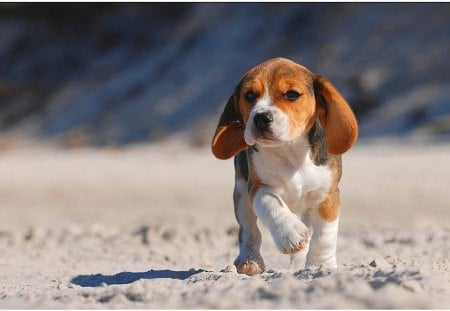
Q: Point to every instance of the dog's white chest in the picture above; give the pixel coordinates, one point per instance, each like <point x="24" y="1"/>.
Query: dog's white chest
<point x="293" y="176"/>
<point x="308" y="187"/>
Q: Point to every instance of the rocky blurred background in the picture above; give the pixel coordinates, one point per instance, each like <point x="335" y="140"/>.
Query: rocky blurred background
<point x="82" y="74"/>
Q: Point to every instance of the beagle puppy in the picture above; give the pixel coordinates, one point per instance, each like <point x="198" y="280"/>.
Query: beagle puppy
<point x="286" y="128"/>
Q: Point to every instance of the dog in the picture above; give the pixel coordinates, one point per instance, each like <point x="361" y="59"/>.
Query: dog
<point x="286" y="128"/>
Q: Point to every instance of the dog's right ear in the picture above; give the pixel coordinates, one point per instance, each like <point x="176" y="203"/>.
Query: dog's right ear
<point x="229" y="137"/>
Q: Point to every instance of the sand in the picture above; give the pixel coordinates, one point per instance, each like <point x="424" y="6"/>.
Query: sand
<point x="152" y="226"/>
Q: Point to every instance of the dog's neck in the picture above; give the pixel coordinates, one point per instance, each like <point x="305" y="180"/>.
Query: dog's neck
<point x="293" y="153"/>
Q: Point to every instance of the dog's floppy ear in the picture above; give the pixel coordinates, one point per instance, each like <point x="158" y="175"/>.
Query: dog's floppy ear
<point x="229" y="137"/>
<point x="336" y="117"/>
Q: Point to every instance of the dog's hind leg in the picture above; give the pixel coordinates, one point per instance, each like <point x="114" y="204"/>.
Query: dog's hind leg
<point x="249" y="260"/>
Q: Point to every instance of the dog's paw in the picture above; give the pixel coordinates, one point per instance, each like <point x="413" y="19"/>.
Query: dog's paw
<point x="330" y="263"/>
<point x="291" y="236"/>
<point x="249" y="267"/>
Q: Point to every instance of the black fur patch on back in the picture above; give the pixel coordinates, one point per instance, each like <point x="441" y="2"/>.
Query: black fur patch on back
<point x="241" y="164"/>
<point x="318" y="142"/>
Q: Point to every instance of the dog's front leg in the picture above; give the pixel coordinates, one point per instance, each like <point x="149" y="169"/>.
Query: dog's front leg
<point x="249" y="260"/>
<point x="288" y="231"/>
<point x="325" y="221"/>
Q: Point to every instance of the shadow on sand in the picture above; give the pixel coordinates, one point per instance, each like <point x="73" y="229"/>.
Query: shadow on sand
<point x="95" y="280"/>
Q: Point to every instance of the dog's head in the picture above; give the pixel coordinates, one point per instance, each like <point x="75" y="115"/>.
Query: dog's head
<point x="278" y="101"/>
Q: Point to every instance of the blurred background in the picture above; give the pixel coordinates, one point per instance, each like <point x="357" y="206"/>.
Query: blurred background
<point x="107" y="111"/>
<point x="82" y="74"/>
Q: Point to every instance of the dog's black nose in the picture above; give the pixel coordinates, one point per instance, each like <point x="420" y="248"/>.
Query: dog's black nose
<point x="262" y="120"/>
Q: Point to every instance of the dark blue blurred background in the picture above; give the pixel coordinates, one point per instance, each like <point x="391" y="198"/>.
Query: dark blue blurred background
<point x="113" y="74"/>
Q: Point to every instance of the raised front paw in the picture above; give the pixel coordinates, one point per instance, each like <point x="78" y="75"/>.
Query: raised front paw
<point x="291" y="236"/>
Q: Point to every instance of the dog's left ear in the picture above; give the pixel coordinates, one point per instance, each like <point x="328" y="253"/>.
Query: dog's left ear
<point x="229" y="137"/>
<point x="336" y="117"/>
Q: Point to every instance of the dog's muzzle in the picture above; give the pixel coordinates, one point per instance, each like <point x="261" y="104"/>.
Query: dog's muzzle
<point x="262" y="121"/>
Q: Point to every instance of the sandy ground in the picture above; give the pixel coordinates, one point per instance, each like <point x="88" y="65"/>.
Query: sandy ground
<point x="153" y="227"/>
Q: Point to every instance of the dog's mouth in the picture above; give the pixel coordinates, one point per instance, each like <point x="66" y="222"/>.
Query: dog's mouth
<point x="269" y="141"/>
<point x="264" y="138"/>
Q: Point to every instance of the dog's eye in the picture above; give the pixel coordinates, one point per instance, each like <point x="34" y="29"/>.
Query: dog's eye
<point x="250" y="96"/>
<point x="291" y="95"/>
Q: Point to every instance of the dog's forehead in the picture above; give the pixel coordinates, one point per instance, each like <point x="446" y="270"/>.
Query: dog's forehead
<point x="272" y="71"/>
